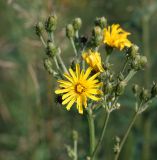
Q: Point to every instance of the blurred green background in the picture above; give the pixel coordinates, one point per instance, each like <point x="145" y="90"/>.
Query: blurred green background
<point x="32" y="125"/>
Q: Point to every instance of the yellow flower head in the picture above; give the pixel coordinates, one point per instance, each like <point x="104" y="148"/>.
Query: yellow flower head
<point x="93" y="59"/>
<point x="115" y="36"/>
<point x="78" y="87"/>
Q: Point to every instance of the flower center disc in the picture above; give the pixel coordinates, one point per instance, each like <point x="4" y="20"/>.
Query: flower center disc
<point x="79" y="88"/>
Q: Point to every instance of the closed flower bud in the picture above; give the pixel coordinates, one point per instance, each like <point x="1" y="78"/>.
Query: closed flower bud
<point x="70" y="31"/>
<point x="154" y="90"/>
<point x="143" y="61"/>
<point x="108" y="88"/>
<point x="48" y="65"/>
<point x="51" y="23"/>
<point x="39" y="28"/>
<point x="139" y="62"/>
<point x="134" y="50"/>
<point x="77" y="23"/>
<point x="144" y="95"/>
<point x="135" y="89"/>
<point x="52" y="49"/>
<point x="75" y="135"/>
<point x="102" y="22"/>
<point x="120" y="88"/>
<point x="97" y="37"/>
<point x="97" y="31"/>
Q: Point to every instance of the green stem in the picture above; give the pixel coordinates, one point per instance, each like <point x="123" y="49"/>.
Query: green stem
<point x="107" y="58"/>
<point x="75" y="149"/>
<point x="102" y="135"/>
<point x="61" y="62"/>
<point x="126" y="135"/>
<point x="43" y="41"/>
<point x="124" y="67"/>
<point x="73" y="45"/>
<point x="91" y="130"/>
<point x="130" y="75"/>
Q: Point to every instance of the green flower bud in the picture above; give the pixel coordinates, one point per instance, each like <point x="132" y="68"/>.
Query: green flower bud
<point x="120" y="88"/>
<point x="70" y="31"/>
<point x="136" y="89"/>
<point x="77" y="23"/>
<point x="154" y="90"/>
<point x="97" y="36"/>
<point x="102" y="22"/>
<point x="51" y="49"/>
<point x="139" y="62"/>
<point x="108" y="88"/>
<point x="51" y="23"/>
<point x="75" y="135"/>
<point x="39" y="28"/>
<point x="143" y="61"/>
<point x="117" y="139"/>
<point x="144" y="95"/>
<point x="133" y="51"/>
<point x="48" y="65"/>
<point x="97" y="31"/>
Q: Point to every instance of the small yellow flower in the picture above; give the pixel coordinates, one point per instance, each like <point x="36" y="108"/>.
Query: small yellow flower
<point x="93" y="59"/>
<point x="115" y="36"/>
<point x="78" y="87"/>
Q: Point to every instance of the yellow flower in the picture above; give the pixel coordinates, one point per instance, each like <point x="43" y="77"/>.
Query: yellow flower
<point x="115" y="36"/>
<point x="78" y="87"/>
<point x="93" y="59"/>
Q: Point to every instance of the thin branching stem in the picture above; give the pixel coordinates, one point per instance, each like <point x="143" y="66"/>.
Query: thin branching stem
<point x="101" y="136"/>
<point x="73" y="45"/>
<point x="43" y="41"/>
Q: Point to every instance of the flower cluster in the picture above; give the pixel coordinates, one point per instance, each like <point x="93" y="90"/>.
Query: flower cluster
<point x="91" y="76"/>
<point x="90" y="83"/>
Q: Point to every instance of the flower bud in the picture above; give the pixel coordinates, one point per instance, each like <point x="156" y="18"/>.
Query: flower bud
<point x="97" y="31"/>
<point x="120" y="88"/>
<point x="144" y="95"/>
<point x="70" y="31"/>
<point x="97" y="36"/>
<point x="48" y="65"/>
<point x="108" y="88"/>
<point x="75" y="135"/>
<point x="77" y="23"/>
<point x="139" y="62"/>
<point x="52" y="49"/>
<point x="101" y="21"/>
<point x="39" y="28"/>
<point x="135" y="89"/>
<point x="143" y="61"/>
<point x="134" y="50"/>
<point x="154" y="90"/>
<point x="51" y="23"/>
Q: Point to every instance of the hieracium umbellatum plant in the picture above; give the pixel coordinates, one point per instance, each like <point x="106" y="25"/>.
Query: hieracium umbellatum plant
<point x="89" y="83"/>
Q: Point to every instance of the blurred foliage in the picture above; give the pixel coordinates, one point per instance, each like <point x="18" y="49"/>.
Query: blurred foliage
<point x="32" y="125"/>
